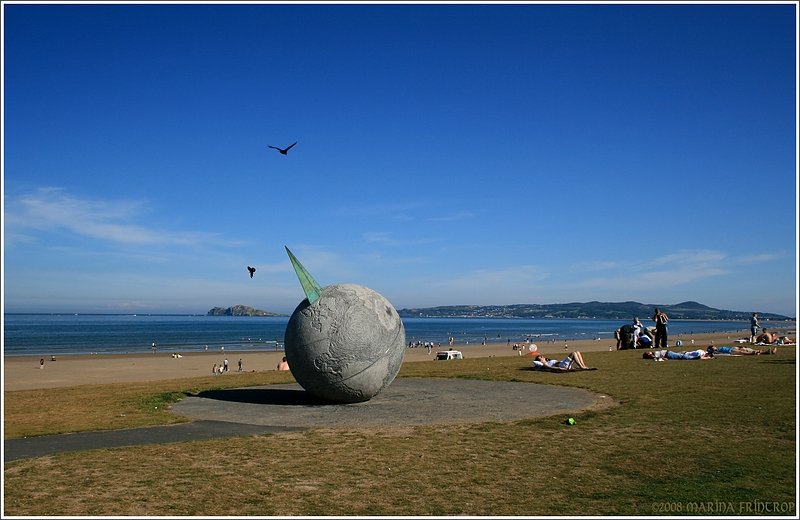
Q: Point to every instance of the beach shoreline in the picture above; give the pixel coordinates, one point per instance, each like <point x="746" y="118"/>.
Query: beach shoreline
<point x="24" y="372"/>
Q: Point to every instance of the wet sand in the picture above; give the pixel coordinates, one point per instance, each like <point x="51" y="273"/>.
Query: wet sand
<point x="23" y="372"/>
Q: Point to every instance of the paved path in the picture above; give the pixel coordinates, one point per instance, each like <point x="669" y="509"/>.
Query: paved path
<point x="14" y="449"/>
<point x="406" y="402"/>
<point x="282" y="408"/>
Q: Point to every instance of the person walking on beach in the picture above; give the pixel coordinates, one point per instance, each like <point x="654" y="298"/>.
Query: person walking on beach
<point x="661" y="320"/>
<point x="214" y="369"/>
<point x="240" y="364"/>
<point x="225" y="365"/>
<point x="754" y="325"/>
<point x="41" y="363"/>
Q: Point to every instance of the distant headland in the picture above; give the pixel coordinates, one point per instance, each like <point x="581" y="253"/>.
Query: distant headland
<point x="589" y="310"/>
<point x="240" y="310"/>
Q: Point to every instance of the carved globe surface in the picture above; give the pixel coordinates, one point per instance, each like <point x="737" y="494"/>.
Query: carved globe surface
<point x="347" y="346"/>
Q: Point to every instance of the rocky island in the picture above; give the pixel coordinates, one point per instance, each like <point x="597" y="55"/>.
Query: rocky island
<point x="240" y="310"/>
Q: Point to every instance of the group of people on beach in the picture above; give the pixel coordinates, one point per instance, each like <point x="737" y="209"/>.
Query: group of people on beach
<point x="707" y="353"/>
<point x="765" y="337"/>
<point x="769" y="338"/>
<point x="223" y="367"/>
<point x="427" y="345"/>
<point x="636" y="335"/>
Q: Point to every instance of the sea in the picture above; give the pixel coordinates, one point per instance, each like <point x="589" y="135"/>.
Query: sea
<point x="71" y="334"/>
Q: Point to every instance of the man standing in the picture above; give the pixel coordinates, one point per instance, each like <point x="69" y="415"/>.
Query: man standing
<point x="754" y="325"/>
<point x="661" y="320"/>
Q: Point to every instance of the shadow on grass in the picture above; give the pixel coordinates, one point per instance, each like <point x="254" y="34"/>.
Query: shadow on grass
<point x="555" y="370"/>
<point x="779" y="361"/>
<point x="276" y="396"/>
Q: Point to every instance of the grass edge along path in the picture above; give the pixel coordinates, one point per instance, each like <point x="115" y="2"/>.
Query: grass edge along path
<point x="713" y="437"/>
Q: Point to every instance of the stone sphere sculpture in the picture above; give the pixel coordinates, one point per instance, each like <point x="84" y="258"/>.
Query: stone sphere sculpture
<point x="345" y="346"/>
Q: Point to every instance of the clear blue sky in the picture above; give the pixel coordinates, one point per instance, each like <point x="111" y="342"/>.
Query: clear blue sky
<point x="446" y="154"/>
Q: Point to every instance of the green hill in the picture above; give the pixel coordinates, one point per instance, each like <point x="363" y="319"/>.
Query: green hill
<point x="589" y="310"/>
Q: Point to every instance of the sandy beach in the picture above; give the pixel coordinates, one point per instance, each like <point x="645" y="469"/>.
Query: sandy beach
<point x="23" y="372"/>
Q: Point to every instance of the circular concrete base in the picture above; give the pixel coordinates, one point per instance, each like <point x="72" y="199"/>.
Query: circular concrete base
<point x="406" y="402"/>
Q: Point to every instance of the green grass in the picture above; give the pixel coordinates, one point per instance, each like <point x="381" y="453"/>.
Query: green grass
<point x="688" y="437"/>
<point x="29" y="413"/>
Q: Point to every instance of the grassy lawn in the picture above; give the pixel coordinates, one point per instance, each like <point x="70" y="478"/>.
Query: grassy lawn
<point x="711" y="437"/>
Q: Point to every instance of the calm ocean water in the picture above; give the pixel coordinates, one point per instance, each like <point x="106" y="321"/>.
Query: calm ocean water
<point x="46" y="334"/>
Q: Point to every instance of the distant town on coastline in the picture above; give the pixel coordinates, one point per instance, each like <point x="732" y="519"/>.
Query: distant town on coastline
<point x="588" y="310"/>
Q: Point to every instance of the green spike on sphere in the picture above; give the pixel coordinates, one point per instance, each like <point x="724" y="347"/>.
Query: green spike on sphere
<point x="310" y="286"/>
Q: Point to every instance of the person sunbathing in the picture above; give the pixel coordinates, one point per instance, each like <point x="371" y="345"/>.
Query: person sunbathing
<point x="765" y="338"/>
<point x="739" y="351"/>
<point x="662" y="355"/>
<point x="570" y="363"/>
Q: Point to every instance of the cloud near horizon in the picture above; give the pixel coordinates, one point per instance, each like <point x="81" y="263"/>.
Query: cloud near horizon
<point x="660" y="272"/>
<point x="50" y="209"/>
<point x="590" y="280"/>
<point x="33" y="214"/>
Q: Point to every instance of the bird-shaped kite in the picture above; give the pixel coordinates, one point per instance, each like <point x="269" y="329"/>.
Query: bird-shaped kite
<point x="283" y="151"/>
<point x="252" y="270"/>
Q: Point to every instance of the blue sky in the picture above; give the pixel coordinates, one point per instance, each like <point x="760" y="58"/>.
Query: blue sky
<point x="446" y="154"/>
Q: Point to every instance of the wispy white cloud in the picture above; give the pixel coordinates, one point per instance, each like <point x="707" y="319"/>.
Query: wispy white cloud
<point x="377" y="237"/>
<point x="680" y="258"/>
<point x="484" y="286"/>
<point x="324" y="264"/>
<point x="452" y="217"/>
<point x="388" y="239"/>
<point x="679" y="268"/>
<point x="593" y="279"/>
<point x="53" y="209"/>
<point x="758" y="259"/>
<point x="403" y="211"/>
<point x="651" y="280"/>
<point x="594" y="266"/>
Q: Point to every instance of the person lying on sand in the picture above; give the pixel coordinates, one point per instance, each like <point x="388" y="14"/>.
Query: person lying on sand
<point x="571" y="363"/>
<point x="662" y="355"/>
<point x="739" y="351"/>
